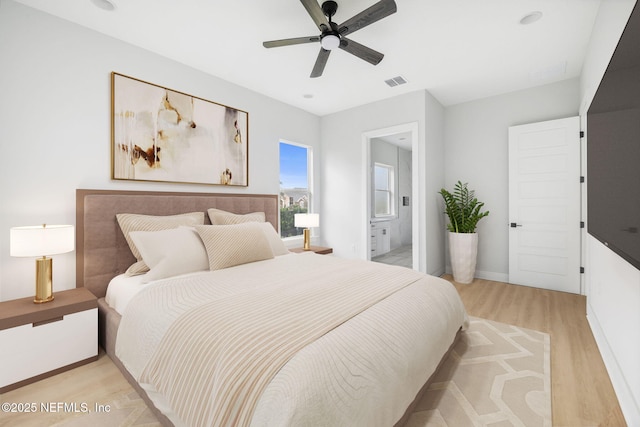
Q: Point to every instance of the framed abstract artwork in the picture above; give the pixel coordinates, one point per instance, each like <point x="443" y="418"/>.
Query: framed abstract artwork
<point x="159" y="134"/>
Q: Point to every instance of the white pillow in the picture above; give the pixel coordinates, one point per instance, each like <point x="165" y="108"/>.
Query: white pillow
<point x="220" y="217"/>
<point x="276" y="243"/>
<point x="171" y="252"/>
<point x="230" y="245"/>
<point x="137" y="222"/>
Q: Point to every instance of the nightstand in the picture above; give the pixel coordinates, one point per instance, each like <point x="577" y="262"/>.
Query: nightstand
<point x="41" y="340"/>
<point x="317" y="249"/>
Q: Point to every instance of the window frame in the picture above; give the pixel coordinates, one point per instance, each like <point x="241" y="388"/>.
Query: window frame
<point x="310" y="187"/>
<point x="390" y="191"/>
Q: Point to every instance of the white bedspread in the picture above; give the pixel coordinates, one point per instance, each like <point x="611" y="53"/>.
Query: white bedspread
<point x="122" y="289"/>
<point x="364" y="372"/>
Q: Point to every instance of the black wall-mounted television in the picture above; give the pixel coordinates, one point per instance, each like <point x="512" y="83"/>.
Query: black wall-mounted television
<point x="613" y="150"/>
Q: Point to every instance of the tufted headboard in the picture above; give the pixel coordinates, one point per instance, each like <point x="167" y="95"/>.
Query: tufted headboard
<point x="101" y="249"/>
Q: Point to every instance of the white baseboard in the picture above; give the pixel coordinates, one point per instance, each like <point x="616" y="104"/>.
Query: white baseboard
<point x="628" y="405"/>
<point x="439" y="272"/>
<point x="490" y="275"/>
<point x="486" y="275"/>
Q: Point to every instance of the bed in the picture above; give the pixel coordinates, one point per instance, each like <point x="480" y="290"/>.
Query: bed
<point x="264" y="337"/>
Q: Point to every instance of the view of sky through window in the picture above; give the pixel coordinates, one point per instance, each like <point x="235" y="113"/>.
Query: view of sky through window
<point x="293" y="166"/>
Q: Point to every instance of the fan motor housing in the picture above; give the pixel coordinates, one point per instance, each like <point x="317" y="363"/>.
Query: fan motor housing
<point x="329" y="8"/>
<point x="334" y="36"/>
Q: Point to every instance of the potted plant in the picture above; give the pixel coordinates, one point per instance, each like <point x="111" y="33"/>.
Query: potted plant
<point x="463" y="210"/>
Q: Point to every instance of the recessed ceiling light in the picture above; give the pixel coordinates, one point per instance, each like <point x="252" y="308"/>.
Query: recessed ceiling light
<point x="530" y="18"/>
<point x="104" y="4"/>
<point x="307" y="95"/>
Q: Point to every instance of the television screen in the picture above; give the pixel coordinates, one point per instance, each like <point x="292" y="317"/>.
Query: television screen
<point x="613" y="150"/>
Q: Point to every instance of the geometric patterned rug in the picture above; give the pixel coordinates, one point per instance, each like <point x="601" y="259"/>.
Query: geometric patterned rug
<point x="497" y="375"/>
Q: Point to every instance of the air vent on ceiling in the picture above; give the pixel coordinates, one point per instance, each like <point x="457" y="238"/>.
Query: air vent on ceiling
<point x="395" y="81"/>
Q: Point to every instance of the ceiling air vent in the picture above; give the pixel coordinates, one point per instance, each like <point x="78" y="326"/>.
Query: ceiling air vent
<point x="395" y="81"/>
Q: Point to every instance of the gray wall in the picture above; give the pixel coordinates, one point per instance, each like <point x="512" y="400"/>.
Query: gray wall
<point x="343" y="217"/>
<point x="55" y="134"/>
<point x="400" y="159"/>
<point x="55" y="137"/>
<point x="476" y="151"/>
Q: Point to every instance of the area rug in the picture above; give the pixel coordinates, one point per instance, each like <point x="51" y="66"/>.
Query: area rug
<point x="497" y="375"/>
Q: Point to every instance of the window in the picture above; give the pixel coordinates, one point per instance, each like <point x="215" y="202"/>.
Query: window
<point x="295" y="185"/>
<point x="383" y="189"/>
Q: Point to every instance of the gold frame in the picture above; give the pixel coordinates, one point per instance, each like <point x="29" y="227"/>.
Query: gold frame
<point x="164" y="135"/>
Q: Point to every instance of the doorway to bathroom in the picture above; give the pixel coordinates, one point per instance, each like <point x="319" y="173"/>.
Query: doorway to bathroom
<point x="391" y="214"/>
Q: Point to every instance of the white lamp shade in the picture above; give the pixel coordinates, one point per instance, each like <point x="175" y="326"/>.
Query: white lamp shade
<point x="306" y="220"/>
<point x="41" y="240"/>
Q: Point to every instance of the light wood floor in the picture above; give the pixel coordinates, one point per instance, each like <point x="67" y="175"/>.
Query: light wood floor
<point x="582" y="394"/>
<point x="581" y="390"/>
<point x="97" y="383"/>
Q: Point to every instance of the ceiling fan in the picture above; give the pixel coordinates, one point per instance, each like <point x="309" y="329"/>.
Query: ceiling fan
<point x="333" y="35"/>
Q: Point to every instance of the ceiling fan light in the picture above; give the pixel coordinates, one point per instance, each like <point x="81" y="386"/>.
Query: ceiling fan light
<point x="330" y="42"/>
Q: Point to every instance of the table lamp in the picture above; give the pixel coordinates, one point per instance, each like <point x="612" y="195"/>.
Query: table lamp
<point x="41" y="241"/>
<point x="306" y="221"/>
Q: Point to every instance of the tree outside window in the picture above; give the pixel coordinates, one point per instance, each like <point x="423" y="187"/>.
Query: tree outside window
<point x="295" y="185"/>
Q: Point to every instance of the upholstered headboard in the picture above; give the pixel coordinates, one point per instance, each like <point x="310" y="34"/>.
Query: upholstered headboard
<point x="101" y="249"/>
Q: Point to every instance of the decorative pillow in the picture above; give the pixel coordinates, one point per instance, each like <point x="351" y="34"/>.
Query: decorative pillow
<point x="171" y="252"/>
<point x="230" y="245"/>
<point x="135" y="222"/>
<point x="276" y="243"/>
<point x="220" y="217"/>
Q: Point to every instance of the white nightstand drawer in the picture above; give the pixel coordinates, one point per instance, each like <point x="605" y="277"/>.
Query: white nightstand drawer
<point x="28" y="350"/>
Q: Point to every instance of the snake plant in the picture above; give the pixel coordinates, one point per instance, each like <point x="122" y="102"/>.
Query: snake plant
<point x="462" y="208"/>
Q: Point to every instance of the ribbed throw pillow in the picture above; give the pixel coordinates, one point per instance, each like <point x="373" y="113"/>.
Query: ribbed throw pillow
<point x="220" y="217"/>
<point x="230" y="245"/>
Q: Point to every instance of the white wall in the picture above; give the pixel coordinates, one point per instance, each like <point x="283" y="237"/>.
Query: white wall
<point x="433" y="178"/>
<point x="343" y="214"/>
<point x="400" y="159"/>
<point x="476" y="152"/>
<point x="404" y="232"/>
<point x="612" y="284"/>
<point x="55" y="127"/>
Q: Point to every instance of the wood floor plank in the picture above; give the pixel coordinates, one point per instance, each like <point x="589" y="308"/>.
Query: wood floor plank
<point x="96" y="383"/>
<point x="582" y="394"/>
<point x="581" y="391"/>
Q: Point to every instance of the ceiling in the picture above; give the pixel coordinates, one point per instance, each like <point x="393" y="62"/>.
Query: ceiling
<point x="402" y="140"/>
<point x="458" y="50"/>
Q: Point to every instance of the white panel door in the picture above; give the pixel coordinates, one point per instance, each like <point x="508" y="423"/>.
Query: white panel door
<point x="544" y="205"/>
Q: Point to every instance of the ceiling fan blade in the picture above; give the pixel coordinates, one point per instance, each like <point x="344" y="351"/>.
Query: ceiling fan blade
<point x="315" y="11"/>
<point x="318" y="68"/>
<point x="289" y="42"/>
<point x="361" y="51"/>
<point x="375" y="13"/>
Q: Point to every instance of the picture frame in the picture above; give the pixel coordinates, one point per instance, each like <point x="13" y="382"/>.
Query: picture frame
<point x="160" y="134"/>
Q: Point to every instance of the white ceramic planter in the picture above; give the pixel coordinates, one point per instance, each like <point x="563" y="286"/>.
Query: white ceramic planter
<point x="463" y="252"/>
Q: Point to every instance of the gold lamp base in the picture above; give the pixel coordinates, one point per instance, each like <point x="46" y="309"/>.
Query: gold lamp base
<point x="307" y="240"/>
<point x="44" y="281"/>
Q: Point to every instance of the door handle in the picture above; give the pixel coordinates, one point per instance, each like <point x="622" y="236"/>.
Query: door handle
<point x="514" y="225"/>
